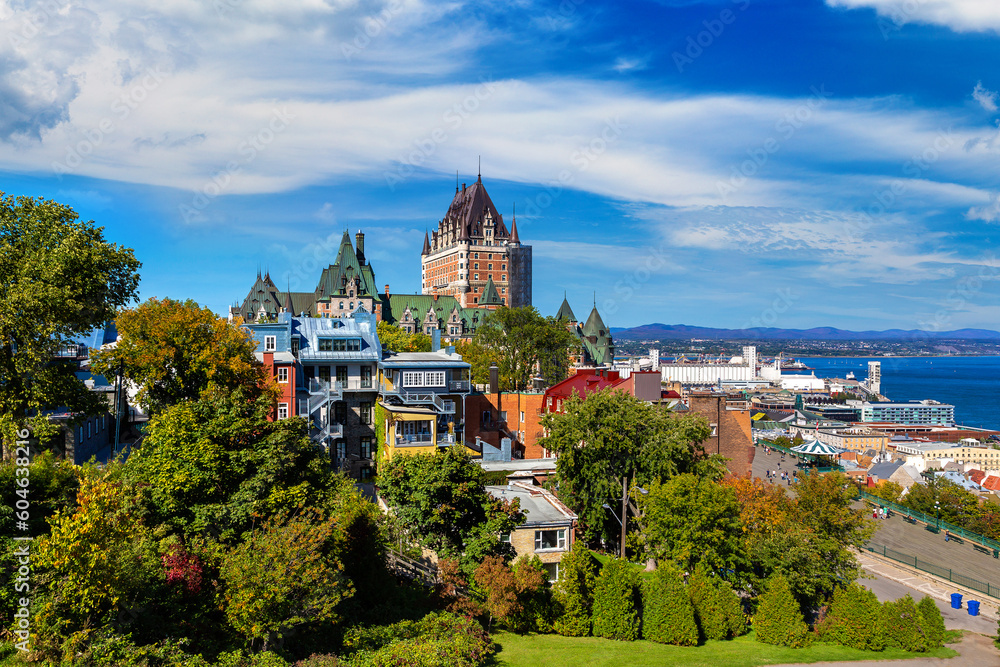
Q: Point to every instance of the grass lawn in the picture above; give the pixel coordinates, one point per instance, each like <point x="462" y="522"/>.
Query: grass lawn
<point x="558" y="651"/>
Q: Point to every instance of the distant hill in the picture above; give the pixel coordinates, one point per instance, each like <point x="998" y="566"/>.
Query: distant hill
<point x="659" y="331"/>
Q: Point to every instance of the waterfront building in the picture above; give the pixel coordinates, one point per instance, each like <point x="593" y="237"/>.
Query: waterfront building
<point x="914" y="412"/>
<point x="741" y="370"/>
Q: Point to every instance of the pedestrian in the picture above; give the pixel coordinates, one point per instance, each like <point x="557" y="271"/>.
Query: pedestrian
<point x="946" y="535"/>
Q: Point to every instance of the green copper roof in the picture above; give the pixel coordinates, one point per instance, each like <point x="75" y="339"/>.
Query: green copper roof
<point x="419" y="304"/>
<point x="335" y="278"/>
<point x="565" y="312"/>
<point x="490" y="295"/>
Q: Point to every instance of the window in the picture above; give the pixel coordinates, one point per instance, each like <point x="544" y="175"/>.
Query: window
<point x="295" y="346"/>
<point x="477" y="277"/>
<point x="503" y="415"/>
<point x="80" y="439"/>
<point x="365" y="412"/>
<point x="552" y="570"/>
<point x="353" y="344"/>
<point x="303" y="407"/>
<point x="341" y="305"/>
<point x="342" y="374"/>
<point x="341" y="450"/>
<point x="550" y="539"/>
<point x="366" y="377"/>
<point x="352" y="305"/>
<point x="476" y="255"/>
<point x="282" y="410"/>
<point x="413" y="379"/>
<point x="490" y="267"/>
<point x="283" y="375"/>
<point x="475" y="265"/>
<point x="505" y="538"/>
<point x="522" y="416"/>
<point x="325" y="344"/>
<point x="503" y="267"/>
<point x="366" y="448"/>
<point x="88" y="429"/>
<point x="434" y="379"/>
<point x="270" y="343"/>
<point x="340" y="412"/>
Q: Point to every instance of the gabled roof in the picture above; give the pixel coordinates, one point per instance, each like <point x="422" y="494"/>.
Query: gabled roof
<point x="469" y="210"/>
<point x="884" y="471"/>
<point x="490" y="296"/>
<point x="334" y="278"/>
<point x="395" y="305"/>
<point x="565" y="312"/>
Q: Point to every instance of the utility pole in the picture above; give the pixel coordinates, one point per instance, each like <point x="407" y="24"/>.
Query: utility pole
<point x="624" y="511"/>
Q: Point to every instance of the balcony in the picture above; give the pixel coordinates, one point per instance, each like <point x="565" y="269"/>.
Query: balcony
<point x="415" y="440"/>
<point x="421" y="398"/>
<point x="321" y="432"/>
<point x="458" y="385"/>
<point x="320" y="386"/>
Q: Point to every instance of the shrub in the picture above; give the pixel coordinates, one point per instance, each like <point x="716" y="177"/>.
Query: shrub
<point x="616" y="614"/>
<point x="933" y="622"/>
<point x="436" y="639"/>
<point x="904" y="625"/>
<point x="732" y="609"/>
<point x="708" y="614"/>
<point x="317" y="660"/>
<point x="573" y="592"/>
<point x="855" y="619"/>
<point x="667" y="613"/>
<point x="779" y="620"/>
<point x="536" y="613"/>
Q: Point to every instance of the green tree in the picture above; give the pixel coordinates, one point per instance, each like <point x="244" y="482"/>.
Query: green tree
<point x="710" y="616"/>
<point x="667" y="612"/>
<point x="519" y="341"/>
<point x="621" y="437"/>
<point x="855" y="619"/>
<point x="59" y="279"/>
<point x="933" y="622"/>
<point x="689" y="519"/>
<point x="217" y="466"/>
<point x="574" y="592"/>
<point x="887" y="490"/>
<point x="443" y="499"/>
<point x="176" y="351"/>
<point x="616" y="604"/>
<point x="904" y="625"/>
<point x="391" y="337"/>
<point x="779" y="620"/>
<point x="285" y="575"/>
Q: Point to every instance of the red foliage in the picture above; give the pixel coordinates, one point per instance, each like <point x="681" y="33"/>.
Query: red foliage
<point x="183" y="568"/>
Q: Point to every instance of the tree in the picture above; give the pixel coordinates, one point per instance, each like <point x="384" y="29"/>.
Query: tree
<point x="510" y="594"/>
<point x="855" y="619"/>
<point x="616" y="607"/>
<point x="391" y="337"/>
<point x="933" y="622"/>
<point x="59" y="279"/>
<point x="709" y="614"/>
<point x="177" y="351"/>
<point x="217" y="466"/>
<point x="778" y="620"/>
<point x="887" y="490"/>
<point x="443" y="499"/>
<point x="519" y="341"/>
<point x="667" y="613"/>
<point x="904" y="625"/>
<point x="574" y="592"/>
<point x="284" y="576"/>
<point x="612" y="435"/>
<point x="688" y="520"/>
<point x="477" y="357"/>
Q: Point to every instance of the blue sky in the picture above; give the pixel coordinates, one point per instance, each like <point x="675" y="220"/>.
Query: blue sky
<point x="721" y="163"/>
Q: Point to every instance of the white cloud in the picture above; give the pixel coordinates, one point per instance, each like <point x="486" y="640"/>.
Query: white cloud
<point x="959" y="15"/>
<point x="987" y="98"/>
<point x="987" y="213"/>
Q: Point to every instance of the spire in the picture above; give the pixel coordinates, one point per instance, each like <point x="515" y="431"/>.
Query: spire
<point x="514" y="238"/>
<point x="456" y="181"/>
<point x="427" y="245"/>
<point x="479" y="170"/>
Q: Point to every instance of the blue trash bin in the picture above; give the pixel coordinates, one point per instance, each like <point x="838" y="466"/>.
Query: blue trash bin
<point x="973" y="607"/>
<point x="956" y="600"/>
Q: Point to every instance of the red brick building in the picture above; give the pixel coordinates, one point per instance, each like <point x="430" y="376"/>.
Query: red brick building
<point x="730" y="422"/>
<point x="491" y="417"/>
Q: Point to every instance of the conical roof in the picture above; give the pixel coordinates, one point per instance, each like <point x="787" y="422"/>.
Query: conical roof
<point x="490" y="296"/>
<point x="565" y="312"/>
<point x="427" y="244"/>
<point x="595" y="325"/>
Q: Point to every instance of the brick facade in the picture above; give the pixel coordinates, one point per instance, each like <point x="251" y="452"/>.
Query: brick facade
<point x="523" y="423"/>
<point x="731" y="428"/>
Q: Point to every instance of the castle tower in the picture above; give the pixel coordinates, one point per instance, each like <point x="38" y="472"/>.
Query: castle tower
<point x="472" y="247"/>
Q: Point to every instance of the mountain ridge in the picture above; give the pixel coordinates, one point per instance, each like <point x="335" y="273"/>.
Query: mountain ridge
<point x="660" y="331"/>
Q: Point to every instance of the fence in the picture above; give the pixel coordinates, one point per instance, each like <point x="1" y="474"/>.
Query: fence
<point x="931" y="520"/>
<point x="984" y="587"/>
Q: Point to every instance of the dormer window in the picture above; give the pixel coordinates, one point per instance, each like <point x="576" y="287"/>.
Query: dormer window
<point x="270" y="343"/>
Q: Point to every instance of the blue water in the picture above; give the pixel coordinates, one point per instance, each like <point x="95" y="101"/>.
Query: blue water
<point x="971" y="384"/>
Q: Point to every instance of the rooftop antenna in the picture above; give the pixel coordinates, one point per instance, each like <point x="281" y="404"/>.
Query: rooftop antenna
<point x="456" y="181"/>
<point x="479" y="170"/>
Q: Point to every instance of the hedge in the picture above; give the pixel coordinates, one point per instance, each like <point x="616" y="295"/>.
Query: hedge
<point x="616" y="612"/>
<point x="855" y="619"/>
<point x="667" y="612"/>
<point x="779" y="619"/>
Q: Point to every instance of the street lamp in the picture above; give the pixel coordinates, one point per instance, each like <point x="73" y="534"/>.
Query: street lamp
<point x="937" y="512"/>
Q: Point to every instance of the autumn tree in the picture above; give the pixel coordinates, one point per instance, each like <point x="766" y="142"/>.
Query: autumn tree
<point x="177" y="351"/>
<point x="442" y="497"/>
<point x="391" y="337"/>
<point x="521" y="342"/>
<point x="284" y="576"/>
<point x="59" y="279"/>
<point x="610" y="436"/>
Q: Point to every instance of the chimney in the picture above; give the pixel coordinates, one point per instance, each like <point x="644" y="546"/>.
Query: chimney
<point x="463" y="188"/>
<point x="387" y="290"/>
<point x="435" y="295"/>
<point x="359" y="244"/>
